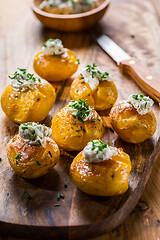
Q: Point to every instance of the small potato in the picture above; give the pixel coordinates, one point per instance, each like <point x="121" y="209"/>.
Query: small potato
<point x="107" y="178"/>
<point x="103" y="97"/>
<point x="32" y="161"/>
<point x="29" y="105"/>
<point x="55" y="68"/>
<point x="74" y="137"/>
<point x="130" y="125"/>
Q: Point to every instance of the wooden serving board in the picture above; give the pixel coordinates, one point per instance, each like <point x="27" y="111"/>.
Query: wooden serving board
<point x="79" y="215"/>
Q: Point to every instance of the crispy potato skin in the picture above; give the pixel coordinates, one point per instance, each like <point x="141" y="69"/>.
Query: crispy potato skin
<point x="29" y="106"/>
<point x="64" y="131"/>
<point x="103" y="97"/>
<point x="27" y="166"/>
<point x="53" y="68"/>
<point x="107" y="178"/>
<point x="130" y="125"/>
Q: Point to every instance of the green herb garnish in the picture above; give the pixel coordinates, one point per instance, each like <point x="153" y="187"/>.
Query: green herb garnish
<point x="13" y="139"/>
<point x="57" y="205"/>
<point x="65" y="185"/>
<point x="111" y="129"/>
<point x="75" y="122"/>
<point x="83" y="110"/>
<point x="59" y="196"/>
<point x="50" y="153"/>
<point x="39" y="142"/>
<point x="26" y="194"/>
<point x="16" y="96"/>
<point x="99" y="119"/>
<point x="94" y="71"/>
<point x="16" y="162"/>
<point x="78" y="61"/>
<point x="99" y="145"/>
<point x="77" y="90"/>
<point x="18" y="156"/>
<point x="91" y="166"/>
<point x="38" y="162"/>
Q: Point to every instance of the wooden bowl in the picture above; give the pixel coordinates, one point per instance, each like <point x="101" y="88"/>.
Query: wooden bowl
<point x="72" y="22"/>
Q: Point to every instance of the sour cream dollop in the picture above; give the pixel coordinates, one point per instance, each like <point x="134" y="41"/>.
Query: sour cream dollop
<point x="53" y="47"/>
<point x="97" y="151"/>
<point x="21" y="80"/>
<point x="34" y="133"/>
<point x="141" y="103"/>
<point x="93" y="76"/>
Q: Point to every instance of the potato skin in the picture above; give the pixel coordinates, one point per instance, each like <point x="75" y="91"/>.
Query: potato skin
<point x="64" y="131"/>
<point x="103" y="97"/>
<point x="29" y="106"/>
<point x="27" y="166"/>
<point x="130" y="125"/>
<point x="53" y="68"/>
<point x="107" y="178"/>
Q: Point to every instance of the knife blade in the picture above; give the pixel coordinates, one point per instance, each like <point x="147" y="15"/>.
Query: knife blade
<point x="128" y="65"/>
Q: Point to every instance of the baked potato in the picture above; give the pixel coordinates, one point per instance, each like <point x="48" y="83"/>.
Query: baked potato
<point x="54" y="65"/>
<point x="25" y="103"/>
<point x="104" y="177"/>
<point x="98" y="88"/>
<point x="73" y="130"/>
<point x="32" y="161"/>
<point x="130" y="125"/>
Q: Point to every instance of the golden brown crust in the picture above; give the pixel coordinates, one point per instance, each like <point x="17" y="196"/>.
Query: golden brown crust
<point x="54" y="68"/>
<point x="30" y="105"/>
<point x="103" y="97"/>
<point x="106" y="178"/>
<point x="35" y="161"/>
<point x="130" y="125"/>
<point x="65" y="133"/>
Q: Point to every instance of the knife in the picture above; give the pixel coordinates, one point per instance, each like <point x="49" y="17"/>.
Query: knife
<point x="146" y="81"/>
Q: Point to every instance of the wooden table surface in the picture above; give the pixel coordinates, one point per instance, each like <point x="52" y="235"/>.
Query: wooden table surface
<point x="134" y="24"/>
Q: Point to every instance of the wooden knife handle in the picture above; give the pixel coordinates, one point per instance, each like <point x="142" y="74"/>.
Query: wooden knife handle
<point x="146" y="81"/>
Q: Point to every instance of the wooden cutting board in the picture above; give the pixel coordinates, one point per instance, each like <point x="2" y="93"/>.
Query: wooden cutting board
<point x="130" y="24"/>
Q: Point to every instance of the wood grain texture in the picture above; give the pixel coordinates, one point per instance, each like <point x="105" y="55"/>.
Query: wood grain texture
<point x="143" y="77"/>
<point x="21" y="39"/>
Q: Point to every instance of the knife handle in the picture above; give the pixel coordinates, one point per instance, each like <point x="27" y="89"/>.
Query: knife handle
<point x="146" y="81"/>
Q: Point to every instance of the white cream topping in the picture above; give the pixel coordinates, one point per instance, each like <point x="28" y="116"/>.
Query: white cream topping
<point x="68" y="6"/>
<point x="53" y="47"/>
<point x="21" y="80"/>
<point x="93" y="76"/>
<point x="96" y="151"/>
<point x="141" y="103"/>
<point x="34" y="133"/>
<point x="75" y="111"/>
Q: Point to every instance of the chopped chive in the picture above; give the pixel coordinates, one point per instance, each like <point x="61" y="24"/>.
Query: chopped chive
<point x="78" y="61"/>
<point x="99" y="119"/>
<point x="39" y="80"/>
<point x="39" y="142"/>
<point x="77" y="90"/>
<point x="109" y="143"/>
<point x="38" y="162"/>
<point x="78" y="130"/>
<point x="111" y="129"/>
<point x="91" y="166"/>
<point x="50" y="153"/>
<point x="75" y="122"/>
<point x="57" y="205"/>
<point x="24" y="128"/>
<point x="59" y="56"/>
<point x="83" y="82"/>
<point x="13" y="139"/>
<point x="16" y="162"/>
<point x="0" y="159"/>
<point x="93" y="121"/>
<point x="26" y="194"/>
<point x="18" y="156"/>
<point x="65" y="185"/>
<point x="58" y="196"/>
<point x="16" y="96"/>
